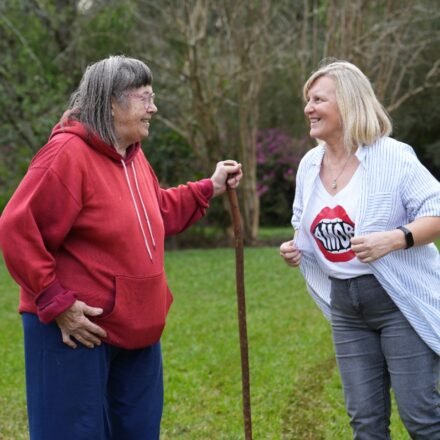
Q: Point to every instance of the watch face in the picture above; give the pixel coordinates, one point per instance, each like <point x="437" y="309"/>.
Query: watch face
<point x="409" y="239"/>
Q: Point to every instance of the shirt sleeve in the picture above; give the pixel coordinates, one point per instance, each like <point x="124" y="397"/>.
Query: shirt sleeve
<point x="184" y="205"/>
<point x="32" y="227"/>
<point x="420" y="190"/>
<point x="298" y="199"/>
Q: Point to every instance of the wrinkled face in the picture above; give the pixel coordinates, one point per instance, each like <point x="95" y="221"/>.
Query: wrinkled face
<point x="132" y="117"/>
<point x="323" y="112"/>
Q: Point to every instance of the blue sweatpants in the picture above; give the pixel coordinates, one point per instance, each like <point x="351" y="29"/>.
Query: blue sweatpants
<point x="99" y="393"/>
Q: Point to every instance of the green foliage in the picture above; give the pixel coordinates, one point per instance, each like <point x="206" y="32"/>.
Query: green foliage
<point x="418" y="124"/>
<point x="46" y="46"/>
<point x="174" y="163"/>
<point x="278" y="157"/>
<point x="171" y="157"/>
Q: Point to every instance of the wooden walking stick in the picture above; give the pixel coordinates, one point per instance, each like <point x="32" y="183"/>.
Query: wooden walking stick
<point x="241" y="303"/>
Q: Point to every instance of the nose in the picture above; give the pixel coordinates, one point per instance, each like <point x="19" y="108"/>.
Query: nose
<point x="308" y="108"/>
<point x="152" y="108"/>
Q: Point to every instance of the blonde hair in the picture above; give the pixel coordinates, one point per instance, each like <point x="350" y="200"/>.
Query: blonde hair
<point x="364" y="119"/>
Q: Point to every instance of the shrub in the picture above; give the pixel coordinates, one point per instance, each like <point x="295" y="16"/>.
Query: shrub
<point x="278" y="157"/>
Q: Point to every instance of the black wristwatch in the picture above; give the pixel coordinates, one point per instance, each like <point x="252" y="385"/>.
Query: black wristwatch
<point x="408" y="236"/>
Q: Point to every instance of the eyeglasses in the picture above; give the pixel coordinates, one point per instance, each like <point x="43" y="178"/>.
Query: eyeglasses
<point x="147" y="99"/>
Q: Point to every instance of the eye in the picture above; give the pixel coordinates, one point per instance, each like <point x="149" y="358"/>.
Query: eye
<point x="148" y="99"/>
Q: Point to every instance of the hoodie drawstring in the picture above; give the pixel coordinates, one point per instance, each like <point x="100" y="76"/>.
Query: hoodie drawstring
<point x="143" y="206"/>
<point x="137" y="210"/>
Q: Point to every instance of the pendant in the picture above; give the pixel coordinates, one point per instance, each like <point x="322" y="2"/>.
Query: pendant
<point x="334" y="184"/>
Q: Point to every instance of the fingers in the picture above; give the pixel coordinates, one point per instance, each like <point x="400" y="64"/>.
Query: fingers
<point x="227" y="172"/>
<point x="94" y="329"/>
<point x="365" y="251"/>
<point x="231" y="167"/>
<point x="228" y="163"/>
<point x="287" y="246"/>
<point x="364" y="256"/>
<point x="290" y="253"/>
<point x="234" y="181"/>
<point x="365" y="259"/>
<point x="357" y="240"/>
<point x="67" y="340"/>
<point x="75" y="326"/>
<point x="91" y="311"/>
<point x="293" y="260"/>
<point x="234" y="173"/>
<point x="84" y="339"/>
<point x="361" y="253"/>
<point x="85" y="336"/>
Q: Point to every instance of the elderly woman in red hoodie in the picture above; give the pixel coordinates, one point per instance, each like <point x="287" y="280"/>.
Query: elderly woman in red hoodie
<point x="83" y="236"/>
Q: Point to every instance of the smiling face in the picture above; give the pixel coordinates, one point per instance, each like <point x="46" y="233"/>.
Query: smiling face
<point x="132" y="117"/>
<point x="323" y="112"/>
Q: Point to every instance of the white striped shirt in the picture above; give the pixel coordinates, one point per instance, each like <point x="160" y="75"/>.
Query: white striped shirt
<point x="396" y="189"/>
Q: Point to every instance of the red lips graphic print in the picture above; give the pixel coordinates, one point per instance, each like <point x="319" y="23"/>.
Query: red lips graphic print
<point x="332" y="230"/>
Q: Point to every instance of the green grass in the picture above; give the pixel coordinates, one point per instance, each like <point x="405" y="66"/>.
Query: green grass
<point x="295" y="388"/>
<point x="12" y="391"/>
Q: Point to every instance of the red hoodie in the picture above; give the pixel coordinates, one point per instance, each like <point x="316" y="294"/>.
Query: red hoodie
<point x="87" y="224"/>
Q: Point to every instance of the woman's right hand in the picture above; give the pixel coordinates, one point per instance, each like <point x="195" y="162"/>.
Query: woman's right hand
<point x="74" y="323"/>
<point x="290" y="253"/>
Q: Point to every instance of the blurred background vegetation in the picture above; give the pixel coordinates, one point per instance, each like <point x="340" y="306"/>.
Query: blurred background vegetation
<point x="228" y="77"/>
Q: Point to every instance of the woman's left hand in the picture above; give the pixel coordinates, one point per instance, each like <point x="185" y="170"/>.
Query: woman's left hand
<point x="373" y="246"/>
<point x="227" y="172"/>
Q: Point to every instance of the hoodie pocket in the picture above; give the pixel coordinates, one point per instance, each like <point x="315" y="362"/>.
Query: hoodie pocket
<point x="138" y="316"/>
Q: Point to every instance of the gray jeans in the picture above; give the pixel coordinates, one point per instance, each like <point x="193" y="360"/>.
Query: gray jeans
<point x="376" y="348"/>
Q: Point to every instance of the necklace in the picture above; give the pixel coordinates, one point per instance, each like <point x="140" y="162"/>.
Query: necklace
<point x="335" y="179"/>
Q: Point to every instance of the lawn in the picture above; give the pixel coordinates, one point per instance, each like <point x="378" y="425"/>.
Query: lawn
<point x="295" y="389"/>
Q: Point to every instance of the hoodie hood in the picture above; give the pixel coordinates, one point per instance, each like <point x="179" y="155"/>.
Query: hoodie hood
<point x="93" y="140"/>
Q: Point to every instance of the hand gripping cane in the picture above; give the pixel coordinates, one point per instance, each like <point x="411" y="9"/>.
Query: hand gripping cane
<point x="241" y="303"/>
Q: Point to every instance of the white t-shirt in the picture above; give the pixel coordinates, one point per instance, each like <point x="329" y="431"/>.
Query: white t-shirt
<point x="330" y="224"/>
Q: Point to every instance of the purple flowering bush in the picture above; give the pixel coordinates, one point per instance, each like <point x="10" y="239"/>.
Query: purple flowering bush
<point x="278" y="157"/>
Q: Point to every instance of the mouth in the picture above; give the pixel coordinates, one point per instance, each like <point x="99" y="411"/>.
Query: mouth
<point x="314" y="121"/>
<point x="146" y="122"/>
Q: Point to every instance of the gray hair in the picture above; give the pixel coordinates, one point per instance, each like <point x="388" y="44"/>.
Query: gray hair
<point x="110" y="78"/>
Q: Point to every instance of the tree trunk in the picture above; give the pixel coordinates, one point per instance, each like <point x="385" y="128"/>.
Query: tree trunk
<point x="248" y="119"/>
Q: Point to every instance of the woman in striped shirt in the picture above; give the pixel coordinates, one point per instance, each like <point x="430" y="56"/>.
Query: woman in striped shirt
<point x="365" y="214"/>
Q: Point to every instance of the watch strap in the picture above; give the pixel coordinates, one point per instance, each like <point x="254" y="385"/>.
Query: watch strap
<point x="408" y="236"/>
